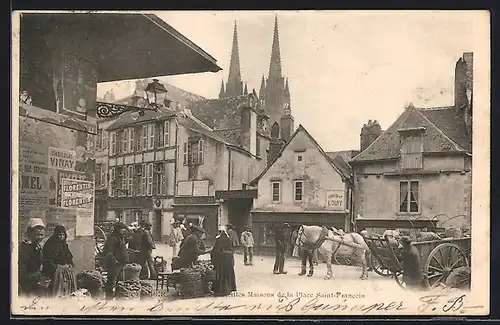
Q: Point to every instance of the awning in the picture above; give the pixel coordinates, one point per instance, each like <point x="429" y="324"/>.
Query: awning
<point x="125" y="46"/>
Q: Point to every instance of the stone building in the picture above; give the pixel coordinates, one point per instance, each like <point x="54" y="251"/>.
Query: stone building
<point x="62" y="58"/>
<point x="418" y="172"/>
<point x="302" y="185"/>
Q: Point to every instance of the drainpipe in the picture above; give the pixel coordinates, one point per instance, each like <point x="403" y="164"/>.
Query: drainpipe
<point x="229" y="171"/>
<point x="176" y="155"/>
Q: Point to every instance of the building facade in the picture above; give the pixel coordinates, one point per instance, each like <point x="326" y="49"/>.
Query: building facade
<point x="418" y="172"/>
<point x="302" y="185"/>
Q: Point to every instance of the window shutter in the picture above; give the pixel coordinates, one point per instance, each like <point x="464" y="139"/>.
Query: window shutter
<point x="144" y="136"/>
<point x="131" y="142"/>
<point x="111" y="181"/>
<point x="185" y="153"/>
<point x="200" y="151"/>
<point x="166" y="133"/>
<point x="125" y="141"/>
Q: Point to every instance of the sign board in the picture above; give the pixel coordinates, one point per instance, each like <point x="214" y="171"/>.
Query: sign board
<point x="62" y="159"/>
<point x="335" y="199"/>
<point x="79" y="83"/>
<point x="77" y="194"/>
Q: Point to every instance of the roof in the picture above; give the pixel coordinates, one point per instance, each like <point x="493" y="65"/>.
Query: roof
<point x="174" y="93"/>
<point x="336" y="164"/>
<point x="346" y="154"/>
<point x="220" y="113"/>
<point x="124" y="45"/>
<point x="445" y="132"/>
<point x="341" y="159"/>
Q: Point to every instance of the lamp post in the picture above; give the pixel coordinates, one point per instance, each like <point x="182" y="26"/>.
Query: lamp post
<point x="155" y="96"/>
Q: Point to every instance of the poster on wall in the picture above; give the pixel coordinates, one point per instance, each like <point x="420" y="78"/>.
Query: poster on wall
<point x="79" y="83"/>
<point x="335" y="199"/>
<point x="84" y="222"/>
<point x="77" y="194"/>
<point x="62" y="159"/>
<point x="68" y="175"/>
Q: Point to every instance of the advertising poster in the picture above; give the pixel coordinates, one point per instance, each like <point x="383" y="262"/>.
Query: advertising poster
<point x="84" y="222"/>
<point x="77" y="194"/>
<point x="62" y="159"/>
<point x="335" y="199"/>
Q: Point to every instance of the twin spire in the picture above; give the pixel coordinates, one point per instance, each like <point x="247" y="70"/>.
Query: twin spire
<point x="235" y="86"/>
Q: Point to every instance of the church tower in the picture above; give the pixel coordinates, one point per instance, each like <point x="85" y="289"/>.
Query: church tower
<point x="274" y="91"/>
<point x="234" y="85"/>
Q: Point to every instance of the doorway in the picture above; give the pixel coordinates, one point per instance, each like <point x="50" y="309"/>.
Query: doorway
<point x="158" y="225"/>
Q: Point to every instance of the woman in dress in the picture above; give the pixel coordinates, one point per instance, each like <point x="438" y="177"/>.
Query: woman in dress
<point x="223" y="261"/>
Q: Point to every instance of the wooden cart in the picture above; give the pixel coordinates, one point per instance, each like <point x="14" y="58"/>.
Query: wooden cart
<point x="439" y="258"/>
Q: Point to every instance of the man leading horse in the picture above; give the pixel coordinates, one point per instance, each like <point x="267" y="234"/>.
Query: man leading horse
<point x="327" y="242"/>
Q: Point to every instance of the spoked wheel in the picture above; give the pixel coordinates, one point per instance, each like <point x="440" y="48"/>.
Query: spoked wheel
<point x="342" y="259"/>
<point x="442" y="260"/>
<point x="100" y="239"/>
<point x="398" y="276"/>
<point x="379" y="269"/>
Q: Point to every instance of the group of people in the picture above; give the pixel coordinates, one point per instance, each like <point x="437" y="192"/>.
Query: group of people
<point x="142" y="241"/>
<point x="45" y="269"/>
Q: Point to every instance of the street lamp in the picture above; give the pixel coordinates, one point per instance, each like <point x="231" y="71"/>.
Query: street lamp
<point x="155" y="95"/>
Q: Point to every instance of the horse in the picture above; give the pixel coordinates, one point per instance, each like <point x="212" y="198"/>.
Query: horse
<point x="328" y="241"/>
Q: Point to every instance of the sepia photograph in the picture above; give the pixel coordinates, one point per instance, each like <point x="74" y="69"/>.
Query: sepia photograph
<point x="250" y="163"/>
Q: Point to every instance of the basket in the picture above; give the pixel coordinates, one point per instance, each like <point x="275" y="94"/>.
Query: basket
<point x="191" y="284"/>
<point x="209" y="275"/>
<point x="146" y="290"/>
<point x="128" y="290"/>
<point x="131" y="272"/>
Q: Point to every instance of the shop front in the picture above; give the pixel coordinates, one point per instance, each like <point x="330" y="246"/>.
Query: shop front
<point x="264" y="224"/>
<point x="235" y="207"/>
<point x="200" y="211"/>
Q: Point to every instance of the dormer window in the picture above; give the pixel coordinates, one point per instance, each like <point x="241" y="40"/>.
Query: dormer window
<point x="299" y="157"/>
<point x="411" y="148"/>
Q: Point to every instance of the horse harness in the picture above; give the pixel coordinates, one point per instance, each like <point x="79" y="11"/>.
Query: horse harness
<point x="317" y="244"/>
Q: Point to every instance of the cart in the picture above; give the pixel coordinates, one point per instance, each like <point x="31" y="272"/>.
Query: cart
<point x="439" y="258"/>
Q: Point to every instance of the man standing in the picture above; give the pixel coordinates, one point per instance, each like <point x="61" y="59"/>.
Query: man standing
<point x="30" y="258"/>
<point x="307" y="254"/>
<point x="116" y="256"/>
<point x="233" y="237"/>
<point x="412" y="269"/>
<point x="177" y="238"/>
<point x="247" y="242"/>
<point x="146" y="252"/>
<point x="281" y="246"/>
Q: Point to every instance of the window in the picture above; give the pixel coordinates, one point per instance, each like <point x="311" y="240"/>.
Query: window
<point x="166" y="133"/>
<point x="411" y="152"/>
<point x="125" y="141"/>
<point x="298" y="190"/>
<point x="112" y="180"/>
<point x="257" y="146"/>
<point x="149" y="184"/>
<point x="200" y="152"/>
<point x="266" y="235"/>
<point x="138" y="139"/>
<point x="151" y="136"/>
<point x="408" y="197"/>
<point x="299" y="157"/>
<point x="159" y="135"/>
<point x="124" y="179"/>
<point x="99" y="139"/>
<point x="112" y="143"/>
<point x="130" y="180"/>
<point x="144" y="178"/>
<point x="98" y="168"/>
<point x="131" y="138"/>
<point x="185" y="153"/>
<point x="160" y="183"/>
<point x="144" y="137"/>
<point x="104" y="140"/>
<point x="276" y="193"/>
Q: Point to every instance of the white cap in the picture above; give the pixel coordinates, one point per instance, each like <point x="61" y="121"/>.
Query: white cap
<point x="36" y="222"/>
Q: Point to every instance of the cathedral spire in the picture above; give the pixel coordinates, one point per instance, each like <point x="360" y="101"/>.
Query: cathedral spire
<point x="287" y="90"/>
<point x="222" y="93"/>
<point x="234" y="85"/>
<point x="262" y="91"/>
<point x="275" y="64"/>
<point x="245" y="92"/>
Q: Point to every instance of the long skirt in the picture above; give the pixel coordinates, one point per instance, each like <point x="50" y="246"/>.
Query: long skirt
<point x="225" y="280"/>
<point x="64" y="281"/>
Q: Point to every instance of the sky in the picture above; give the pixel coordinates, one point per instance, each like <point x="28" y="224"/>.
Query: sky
<point x="344" y="67"/>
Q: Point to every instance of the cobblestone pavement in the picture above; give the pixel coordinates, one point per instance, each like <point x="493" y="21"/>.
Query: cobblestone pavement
<point x="259" y="278"/>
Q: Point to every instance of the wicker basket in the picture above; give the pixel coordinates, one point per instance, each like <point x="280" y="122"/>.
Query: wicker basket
<point x="131" y="272"/>
<point x="147" y="290"/>
<point x="128" y="290"/>
<point x="191" y="284"/>
<point x="209" y="275"/>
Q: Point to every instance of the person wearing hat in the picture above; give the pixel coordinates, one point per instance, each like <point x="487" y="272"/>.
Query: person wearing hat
<point x="247" y="242"/>
<point x="146" y="253"/>
<point x="30" y="258"/>
<point x="233" y="236"/>
<point x="222" y="258"/>
<point x="281" y="247"/>
<point x="116" y="257"/>
<point x="412" y="268"/>
<point x="176" y="237"/>
<point x="191" y="248"/>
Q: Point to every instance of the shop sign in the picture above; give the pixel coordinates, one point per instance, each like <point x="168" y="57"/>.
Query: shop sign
<point x="335" y="199"/>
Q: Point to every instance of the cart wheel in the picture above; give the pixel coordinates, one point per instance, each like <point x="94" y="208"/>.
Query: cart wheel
<point x="379" y="269"/>
<point x="342" y="259"/>
<point x="398" y="276"/>
<point x="442" y="260"/>
<point x="100" y="239"/>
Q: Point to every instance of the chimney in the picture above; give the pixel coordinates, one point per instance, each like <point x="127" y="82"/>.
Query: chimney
<point x="369" y="133"/>
<point x="463" y="91"/>
<point x="275" y="144"/>
<point x="287" y="125"/>
<point x="248" y="129"/>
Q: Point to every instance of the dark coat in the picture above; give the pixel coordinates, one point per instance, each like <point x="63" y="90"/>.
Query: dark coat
<point x="115" y="250"/>
<point x="222" y="259"/>
<point x="56" y="252"/>
<point x="30" y="264"/>
<point x="280" y="238"/>
<point x="135" y="240"/>
<point x="189" y="251"/>
<point x="412" y="268"/>
<point x="147" y="241"/>
<point x="233" y="238"/>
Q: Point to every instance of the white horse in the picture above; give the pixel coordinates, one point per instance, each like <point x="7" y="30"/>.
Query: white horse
<point x="328" y="241"/>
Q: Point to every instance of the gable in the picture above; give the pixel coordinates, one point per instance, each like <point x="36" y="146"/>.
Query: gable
<point x="387" y="145"/>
